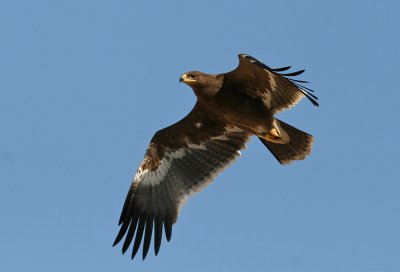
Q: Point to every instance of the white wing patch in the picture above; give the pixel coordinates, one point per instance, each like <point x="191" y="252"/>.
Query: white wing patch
<point x="140" y="173"/>
<point x="147" y="177"/>
<point x="190" y="153"/>
<point x="195" y="146"/>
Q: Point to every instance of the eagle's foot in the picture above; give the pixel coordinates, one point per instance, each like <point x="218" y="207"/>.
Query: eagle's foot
<point x="275" y="133"/>
<point x="274" y="136"/>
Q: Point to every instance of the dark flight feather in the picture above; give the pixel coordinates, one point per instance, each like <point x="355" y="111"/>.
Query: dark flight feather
<point x="139" y="236"/>
<point x="281" y="69"/>
<point x="147" y="236"/>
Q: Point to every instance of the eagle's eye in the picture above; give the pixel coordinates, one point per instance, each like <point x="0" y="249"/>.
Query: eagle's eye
<point x="191" y="76"/>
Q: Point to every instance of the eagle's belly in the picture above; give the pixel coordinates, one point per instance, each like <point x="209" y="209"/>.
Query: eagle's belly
<point x="245" y="112"/>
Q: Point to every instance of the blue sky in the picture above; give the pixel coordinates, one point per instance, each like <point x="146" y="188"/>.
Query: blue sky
<point x="85" y="84"/>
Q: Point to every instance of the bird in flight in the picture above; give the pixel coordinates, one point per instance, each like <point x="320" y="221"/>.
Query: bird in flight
<point x="185" y="157"/>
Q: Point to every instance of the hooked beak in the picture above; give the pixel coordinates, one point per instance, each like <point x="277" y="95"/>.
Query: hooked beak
<point x="185" y="79"/>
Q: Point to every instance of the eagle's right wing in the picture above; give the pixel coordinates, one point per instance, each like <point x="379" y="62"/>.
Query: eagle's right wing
<point x="180" y="160"/>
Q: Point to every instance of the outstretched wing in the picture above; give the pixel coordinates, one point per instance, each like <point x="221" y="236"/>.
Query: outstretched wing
<point x="275" y="90"/>
<point x="180" y="160"/>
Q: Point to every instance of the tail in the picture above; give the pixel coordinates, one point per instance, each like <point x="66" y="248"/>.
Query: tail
<point x="298" y="147"/>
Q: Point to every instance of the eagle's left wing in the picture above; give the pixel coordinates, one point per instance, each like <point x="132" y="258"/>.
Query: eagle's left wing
<point x="180" y="160"/>
<point x="276" y="91"/>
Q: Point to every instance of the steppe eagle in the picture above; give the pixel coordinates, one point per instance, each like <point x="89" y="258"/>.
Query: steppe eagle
<point x="184" y="157"/>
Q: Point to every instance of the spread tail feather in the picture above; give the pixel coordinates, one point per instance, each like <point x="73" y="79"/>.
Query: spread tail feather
<point x="298" y="147"/>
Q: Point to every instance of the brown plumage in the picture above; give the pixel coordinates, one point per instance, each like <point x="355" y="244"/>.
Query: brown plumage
<point x="183" y="158"/>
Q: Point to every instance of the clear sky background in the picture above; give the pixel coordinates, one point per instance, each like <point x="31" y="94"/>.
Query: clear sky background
<point x="85" y="84"/>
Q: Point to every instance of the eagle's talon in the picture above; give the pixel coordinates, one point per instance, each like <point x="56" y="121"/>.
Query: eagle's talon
<point x="275" y="133"/>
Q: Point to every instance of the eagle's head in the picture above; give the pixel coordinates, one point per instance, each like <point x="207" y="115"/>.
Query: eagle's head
<point x="202" y="83"/>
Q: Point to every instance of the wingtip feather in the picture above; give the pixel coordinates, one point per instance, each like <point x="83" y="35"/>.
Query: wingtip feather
<point x="157" y="235"/>
<point x="147" y="236"/>
<point x="138" y="239"/>
<point x="168" y="229"/>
